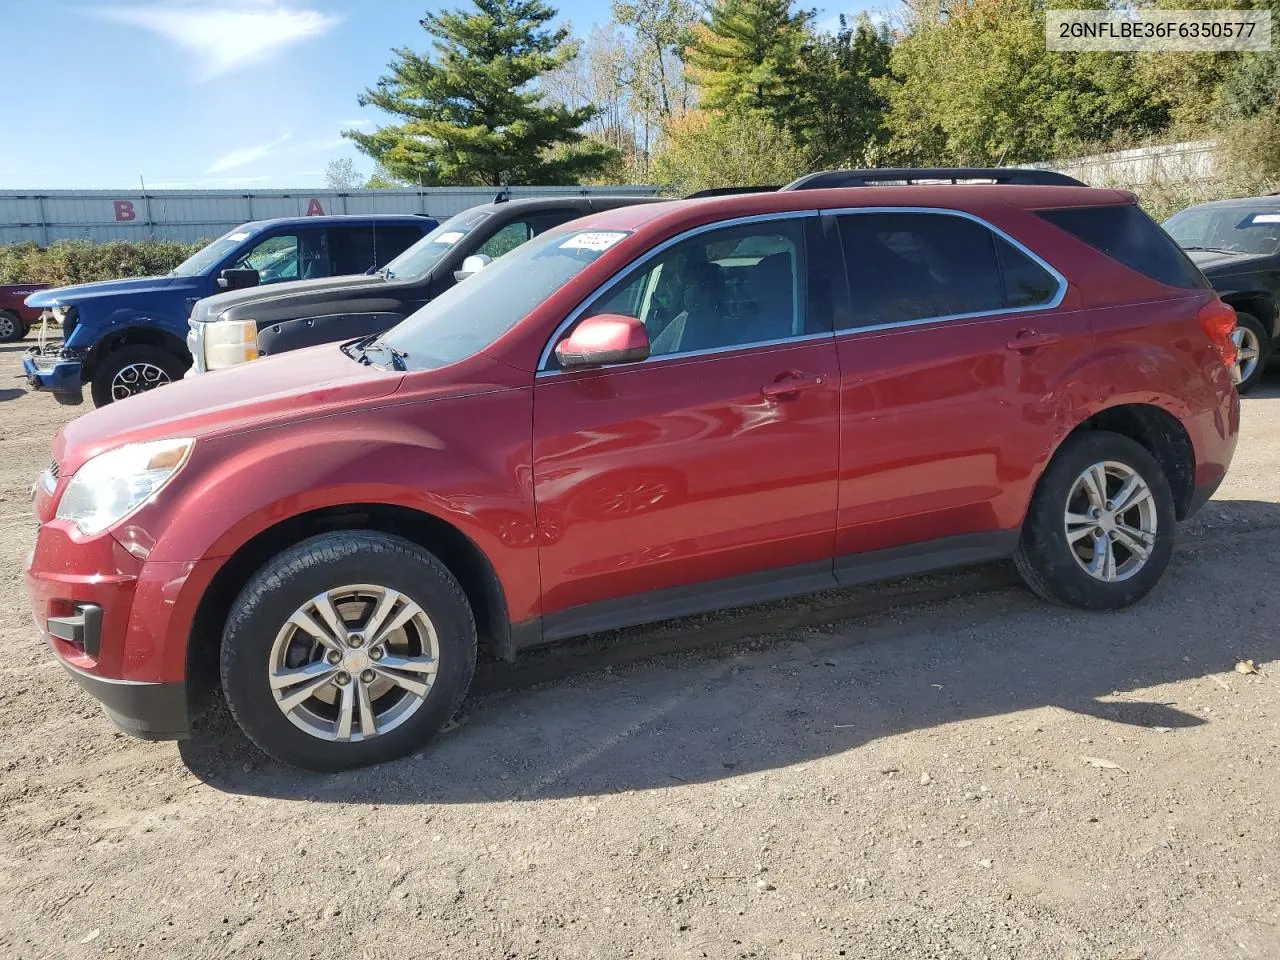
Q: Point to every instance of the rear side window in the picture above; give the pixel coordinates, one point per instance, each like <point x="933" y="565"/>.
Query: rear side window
<point x="393" y="240"/>
<point x="905" y="267"/>
<point x="351" y="249"/>
<point x="1026" y="283"/>
<point x="1126" y="234"/>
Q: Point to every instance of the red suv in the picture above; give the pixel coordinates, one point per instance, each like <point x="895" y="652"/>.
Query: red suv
<point x="652" y="412"/>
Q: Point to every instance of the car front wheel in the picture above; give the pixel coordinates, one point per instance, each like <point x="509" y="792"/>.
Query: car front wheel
<point x="348" y="649"/>
<point x="133" y="369"/>
<point x="1099" y="531"/>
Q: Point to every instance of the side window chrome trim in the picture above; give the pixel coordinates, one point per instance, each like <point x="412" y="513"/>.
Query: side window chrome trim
<point x="1051" y="304"/>
<point x="569" y="321"/>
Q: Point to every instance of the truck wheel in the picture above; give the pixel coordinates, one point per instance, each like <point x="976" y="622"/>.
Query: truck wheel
<point x="134" y="369"/>
<point x="350" y="648"/>
<point x="11" y="327"/>
<point x="1254" y="349"/>
<point x="1099" y="532"/>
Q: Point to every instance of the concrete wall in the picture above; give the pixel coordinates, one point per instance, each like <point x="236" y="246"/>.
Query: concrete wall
<point x="1192" y="161"/>
<point x="189" y="215"/>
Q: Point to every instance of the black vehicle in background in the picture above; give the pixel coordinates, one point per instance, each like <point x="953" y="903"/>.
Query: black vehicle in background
<point x="1236" y="244"/>
<point x="233" y="327"/>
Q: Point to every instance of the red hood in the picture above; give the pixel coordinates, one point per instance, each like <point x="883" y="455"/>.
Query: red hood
<point x="290" y="386"/>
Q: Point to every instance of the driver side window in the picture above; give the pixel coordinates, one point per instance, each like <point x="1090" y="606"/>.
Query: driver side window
<point x="716" y="290"/>
<point x="287" y="256"/>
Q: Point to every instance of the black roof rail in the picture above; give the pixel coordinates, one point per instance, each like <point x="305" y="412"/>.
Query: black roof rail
<point x="729" y="191"/>
<point x="862" y="178"/>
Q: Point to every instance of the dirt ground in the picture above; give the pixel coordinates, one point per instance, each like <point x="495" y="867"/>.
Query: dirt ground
<point x="936" y="768"/>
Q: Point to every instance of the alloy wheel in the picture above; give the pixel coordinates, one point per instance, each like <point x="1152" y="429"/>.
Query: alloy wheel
<point x="137" y="378"/>
<point x="1248" y="353"/>
<point x="8" y="328"/>
<point x="353" y="663"/>
<point x="1110" y="521"/>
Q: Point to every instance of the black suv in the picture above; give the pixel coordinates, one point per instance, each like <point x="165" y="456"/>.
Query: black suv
<point x="1236" y="244"/>
<point x="233" y="327"/>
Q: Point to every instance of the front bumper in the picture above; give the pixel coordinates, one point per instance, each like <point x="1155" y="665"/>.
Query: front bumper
<point x="49" y="369"/>
<point x="149" y="711"/>
<point x="118" y="624"/>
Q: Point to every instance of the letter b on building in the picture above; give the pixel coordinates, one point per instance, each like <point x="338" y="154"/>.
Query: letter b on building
<point x="125" y="211"/>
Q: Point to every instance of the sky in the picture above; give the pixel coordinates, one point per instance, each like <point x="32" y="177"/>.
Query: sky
<point x="205" y="94"/>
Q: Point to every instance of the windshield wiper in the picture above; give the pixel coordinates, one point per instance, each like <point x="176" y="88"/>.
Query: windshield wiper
<point x="1210" y="249"/>
<point x="366" y="345"/>
<point x="386" y="273"/>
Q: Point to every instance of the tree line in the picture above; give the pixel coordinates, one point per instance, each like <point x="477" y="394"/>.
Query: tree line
<point x="741" y="92"/>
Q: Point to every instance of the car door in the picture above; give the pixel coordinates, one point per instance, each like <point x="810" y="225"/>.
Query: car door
<point x="710" y="467"/>
<point x="942" y="313"/>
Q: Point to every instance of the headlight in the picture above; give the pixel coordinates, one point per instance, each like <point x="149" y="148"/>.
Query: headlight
<point x="228" y="342"/>
<point x="112" y="485"/>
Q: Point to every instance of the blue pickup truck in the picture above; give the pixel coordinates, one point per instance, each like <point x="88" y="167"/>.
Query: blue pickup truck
<point x="126" y="336"/>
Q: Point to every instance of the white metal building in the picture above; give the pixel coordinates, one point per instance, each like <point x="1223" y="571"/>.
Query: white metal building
<point x="189" y="215"/>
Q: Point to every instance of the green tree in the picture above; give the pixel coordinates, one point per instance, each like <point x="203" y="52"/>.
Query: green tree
<point x="840" y="102"/>
<point x="979" y="87"/>
<point x="704" y="149"/>
<point x="745" y="57"/>
<point x="472" y="112"/>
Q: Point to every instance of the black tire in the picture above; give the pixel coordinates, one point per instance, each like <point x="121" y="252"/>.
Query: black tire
<point x="1044" y="557"/>
<point x="139" y="355"/>
<point x="306" y="570"/>
<point x="12" y="328"/>
<point x="1247" y="321"/>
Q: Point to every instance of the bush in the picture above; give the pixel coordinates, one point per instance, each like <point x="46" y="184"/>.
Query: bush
<point x="79" y="261"/>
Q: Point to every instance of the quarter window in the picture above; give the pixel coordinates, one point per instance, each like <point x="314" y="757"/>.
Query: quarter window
<point x="723" y="288"/>
<point x="914" y="266"/>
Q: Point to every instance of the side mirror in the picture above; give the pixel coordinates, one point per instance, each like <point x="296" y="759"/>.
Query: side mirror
<point x="238" y="278"/>
<point x="472" y="265"/>
<point x="604" y="339"/>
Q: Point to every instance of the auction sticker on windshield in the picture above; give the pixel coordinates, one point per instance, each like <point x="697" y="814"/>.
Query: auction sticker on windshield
<point x="597" y="242"/>
<point x="453" y="236"/>
<point x="1266" y="218"/>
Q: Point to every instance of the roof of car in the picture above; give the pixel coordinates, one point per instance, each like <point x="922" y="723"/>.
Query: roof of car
<point x="945" y="196"/>
<point x="335" y="218"/>
<point x="576" y="201"/>
<point x="1268" y="203"/>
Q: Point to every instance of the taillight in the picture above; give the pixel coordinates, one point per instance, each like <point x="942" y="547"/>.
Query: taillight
<point x="1218" y="320"/>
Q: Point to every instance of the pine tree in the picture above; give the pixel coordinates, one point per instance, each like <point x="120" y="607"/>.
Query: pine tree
<point x="745" y="57"/>
<point x="471" y="111"/>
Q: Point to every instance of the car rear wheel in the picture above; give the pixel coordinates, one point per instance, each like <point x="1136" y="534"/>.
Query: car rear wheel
<point x="348" y="649"/>
<point x="132" y="370"/>
<point x="1253" y="349"/>
<point x="11" y="327"/>
<point x="1099" y="532"/>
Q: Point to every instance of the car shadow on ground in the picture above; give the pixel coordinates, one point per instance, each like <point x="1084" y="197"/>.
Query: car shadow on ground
<point x="11" y="393"/>
<point x="708" y="699"/>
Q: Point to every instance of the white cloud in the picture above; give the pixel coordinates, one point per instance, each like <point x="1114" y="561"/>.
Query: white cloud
<point x="245" y="155"/>
<point x="226" y="37"/>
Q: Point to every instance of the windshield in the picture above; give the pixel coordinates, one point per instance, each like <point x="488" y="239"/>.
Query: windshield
<point x="1229" y="229"/>
<point x="206" y="257"/>
<point x="468" y="317"/>
<point x="415" y="262"/>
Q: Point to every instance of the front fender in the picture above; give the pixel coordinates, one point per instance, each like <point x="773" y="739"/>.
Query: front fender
<point x="96" y="323"/>
<point x="465" y="461"/>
